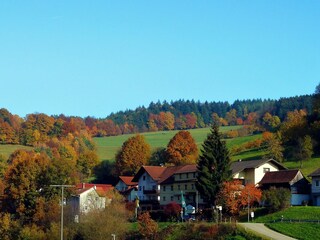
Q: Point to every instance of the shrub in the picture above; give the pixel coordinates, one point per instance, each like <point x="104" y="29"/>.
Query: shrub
<point x="147" y="227"/>
<point x="276" y="199"/>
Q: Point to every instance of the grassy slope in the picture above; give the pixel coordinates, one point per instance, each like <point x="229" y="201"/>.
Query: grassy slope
<point x="7" y="149"/>
<point x="108" y="146"/>
<point x="301" y="230"/>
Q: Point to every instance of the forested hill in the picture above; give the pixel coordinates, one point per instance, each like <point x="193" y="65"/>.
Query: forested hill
<point x="186" y="111"/>
<point x="177" y="115"/>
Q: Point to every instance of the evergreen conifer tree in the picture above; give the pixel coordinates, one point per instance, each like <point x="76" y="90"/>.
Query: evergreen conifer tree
<point x="213" y="166"/>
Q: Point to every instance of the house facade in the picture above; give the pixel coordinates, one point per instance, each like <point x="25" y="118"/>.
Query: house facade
<point x="253" y="171"/>
<point x="293" y="180"/>
<point x="148" y="178"/>
<point x="182" y="181"/>
<point x="315" y="187"/>
<point x="86" y="200"/>
<point x="127" y="187"/>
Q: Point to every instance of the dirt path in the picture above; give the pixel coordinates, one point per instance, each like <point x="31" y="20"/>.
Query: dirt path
<point x="261" y="229"/>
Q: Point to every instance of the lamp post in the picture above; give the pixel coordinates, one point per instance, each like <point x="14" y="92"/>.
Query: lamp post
<point x="62" y="203"/>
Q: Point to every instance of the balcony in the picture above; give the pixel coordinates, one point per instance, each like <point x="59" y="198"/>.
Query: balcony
<point x="152" y="191"/>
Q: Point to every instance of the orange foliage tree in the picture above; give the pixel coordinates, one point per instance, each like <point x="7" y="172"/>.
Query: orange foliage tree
<point x="134" y="153"/>
<point x="182" y="149"/>
<point x="235" y="196"/>
<point x="147" y="226"/>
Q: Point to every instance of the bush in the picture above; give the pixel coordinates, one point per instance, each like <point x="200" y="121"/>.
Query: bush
<point x="276" y="199"/>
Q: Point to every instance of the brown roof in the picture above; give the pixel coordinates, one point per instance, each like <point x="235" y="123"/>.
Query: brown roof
<point x="188" y="168"/>
<point x="239" y="166"/>
<point x="161" y="174"/>
<point x="128" y="180"/>
<point x="316" y="173"/>
<point x="154" y="172"/>
<point x="283" y="176"/>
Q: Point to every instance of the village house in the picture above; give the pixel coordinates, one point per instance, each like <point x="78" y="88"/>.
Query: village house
<point x="315" y="187"/>
<point x="127" y="187"/>
<point x="253" y="171"/>
<point x="88" y="197"/>
<point x="293" y="180"/>
<point x="160" y="185"/>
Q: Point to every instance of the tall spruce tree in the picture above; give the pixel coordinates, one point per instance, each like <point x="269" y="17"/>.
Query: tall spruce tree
<point x="213" y="166"/>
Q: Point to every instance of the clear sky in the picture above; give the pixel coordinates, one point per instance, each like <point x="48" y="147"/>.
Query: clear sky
<point x="91" y="58"/>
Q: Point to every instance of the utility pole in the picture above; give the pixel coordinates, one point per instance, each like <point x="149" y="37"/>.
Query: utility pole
<point x="62" y="203"/>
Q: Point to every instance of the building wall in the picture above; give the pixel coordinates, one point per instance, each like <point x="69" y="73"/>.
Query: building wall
<point x="315" y="185"/>
<point x="185" y="183"/>
<point x="121" y="186"/>
<point x="147" y="183"/>
<point x="260" y="171"/>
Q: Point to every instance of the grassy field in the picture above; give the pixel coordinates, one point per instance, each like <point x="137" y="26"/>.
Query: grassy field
<point x="108" y="146"/>
<point x="302" y="230"/>
<point x="7" y="149"/>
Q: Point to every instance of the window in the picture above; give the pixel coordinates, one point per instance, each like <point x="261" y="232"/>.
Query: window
<point x="140" y="188"/>
<point x="144" y="178"/>
<point x="194" y="175"/>
<point x="171" y="187"/>
<point x="171" y="198"/>
<point x="317" y="183"/>
<point x="185" y="187"/>
<point x="164" y="198"/>
<point x="180" y="176"/>
<point x="154" y="187"/>
<point x="266" y="170"/>
<point x="187" y="175"/>
<point x="164" y="188"/>
<point x="178" y="198"/>
<point x="178" y="187"/>
<point x="192" y="186"/>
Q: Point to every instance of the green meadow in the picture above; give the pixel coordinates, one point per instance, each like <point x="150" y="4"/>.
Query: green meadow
<point x="299" y="230"/>
<point x="7" y="149"/>
<point x="108" y="146"/>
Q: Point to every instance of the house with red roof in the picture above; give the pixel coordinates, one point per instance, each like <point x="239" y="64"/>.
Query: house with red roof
<point x="293" y="180"/>
<point x="88" y="197"/>
<point x="127" y="187"/>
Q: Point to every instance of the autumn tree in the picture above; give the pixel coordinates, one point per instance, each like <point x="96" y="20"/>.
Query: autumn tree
<point x="305" y="149"/>
<point x="274" y="148"/>
<point x="173" y="210"/>
<point x="231" y="117"/>
<point x="271" y="123"/>
<point x="134" y="153"/>
<point x="25" y="180"/>
<point x="213" y="166"/>
<point x="235" y="196"/>
<point x="182" y="149"/>
<point x="147" y="226"/>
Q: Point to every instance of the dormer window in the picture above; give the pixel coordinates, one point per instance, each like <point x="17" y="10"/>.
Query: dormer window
<point x="144" y="178"/>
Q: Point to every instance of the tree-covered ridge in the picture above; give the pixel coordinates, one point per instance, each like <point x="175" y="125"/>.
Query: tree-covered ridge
<point x="35" y="129"/>
<point x="202" y="112"/>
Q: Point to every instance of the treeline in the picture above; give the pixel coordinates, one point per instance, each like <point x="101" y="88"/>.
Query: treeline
<point x="177" y="115"/>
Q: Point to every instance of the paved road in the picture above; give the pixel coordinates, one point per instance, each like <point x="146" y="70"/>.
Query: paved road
<point x="261" y="229"/>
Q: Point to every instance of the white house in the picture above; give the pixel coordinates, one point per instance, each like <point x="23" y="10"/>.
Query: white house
<point x="127" y="187"/>
<point x="315" y="187"/>
<point x="148" y="178"/>
<point x="86" y="200"/>
<point x="89" y="197"/>
<point x="253" y="171"/>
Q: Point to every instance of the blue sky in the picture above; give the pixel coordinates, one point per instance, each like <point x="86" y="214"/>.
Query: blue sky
<point x="91" y="58"/>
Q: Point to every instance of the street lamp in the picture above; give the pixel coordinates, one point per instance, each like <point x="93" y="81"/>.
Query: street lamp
<point x="62" y="204"/>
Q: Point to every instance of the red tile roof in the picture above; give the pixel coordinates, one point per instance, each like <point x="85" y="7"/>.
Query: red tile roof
<point x="102" y="189"/>
<point x="284" y="176"/>
<point x="128" y="180"/>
